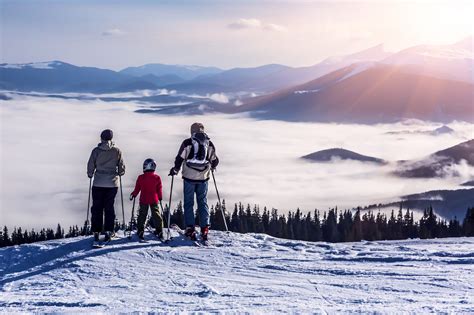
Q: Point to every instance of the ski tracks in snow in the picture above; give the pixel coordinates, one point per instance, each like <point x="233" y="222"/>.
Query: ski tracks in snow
<point x="239" y="273"/>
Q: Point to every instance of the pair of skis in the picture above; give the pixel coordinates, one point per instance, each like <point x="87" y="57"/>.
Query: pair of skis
<point x="102" y="242"/>
<point x="198" y="242"/>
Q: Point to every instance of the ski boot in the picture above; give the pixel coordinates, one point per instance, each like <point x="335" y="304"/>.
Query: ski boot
<point x="159" y="235"/>
<point x="190" y="233"/>
<point x="141" y="236"/>
<point x="108" y="236"/>
<point x="96" y="243"/>
<point x="204" y="233"/>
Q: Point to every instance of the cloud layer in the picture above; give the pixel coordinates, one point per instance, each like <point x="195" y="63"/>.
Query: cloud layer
<point x="253" y="23"/>
<point x="113" y="32"/>
<point x="45" y="145"/>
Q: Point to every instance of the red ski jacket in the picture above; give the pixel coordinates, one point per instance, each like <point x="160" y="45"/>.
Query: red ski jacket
<point x="150" y="186"/>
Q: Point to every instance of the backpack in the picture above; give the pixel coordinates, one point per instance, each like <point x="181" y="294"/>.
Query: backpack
<point x="198" y="159"/>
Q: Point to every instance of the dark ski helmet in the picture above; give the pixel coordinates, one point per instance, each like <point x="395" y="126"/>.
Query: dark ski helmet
<point x="106" y="135"/>
<point x="149" y="165"/>
<point x="197" y="127"/>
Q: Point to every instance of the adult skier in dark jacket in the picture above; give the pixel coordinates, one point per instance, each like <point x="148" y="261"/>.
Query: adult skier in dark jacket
<point x="197" y="156"/>
<point x="105" y="165"/>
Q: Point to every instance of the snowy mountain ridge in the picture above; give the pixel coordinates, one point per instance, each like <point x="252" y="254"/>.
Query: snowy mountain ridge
<point x="35" y="65"/>
<point x="239" y="273"/>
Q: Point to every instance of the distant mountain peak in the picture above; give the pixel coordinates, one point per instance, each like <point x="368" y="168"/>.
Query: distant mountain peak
<point x="379" y="48"/>
<point x="442" y="130"/>
<point x="374" y="53"/>
<point x="158" y="69"/>
<point x="342" y="154"/>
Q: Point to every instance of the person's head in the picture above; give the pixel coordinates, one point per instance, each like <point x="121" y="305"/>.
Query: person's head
<point x="197" y="127"/>
<point x="106" y="135"/>
<point x="149" y="165"/>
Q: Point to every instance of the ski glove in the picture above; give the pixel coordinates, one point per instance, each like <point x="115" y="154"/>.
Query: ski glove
<point x="132" y="197"/>
<point x="173" y="172"/>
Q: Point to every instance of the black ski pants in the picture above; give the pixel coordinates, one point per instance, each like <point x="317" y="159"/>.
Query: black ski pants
<point x="103" y="212"/>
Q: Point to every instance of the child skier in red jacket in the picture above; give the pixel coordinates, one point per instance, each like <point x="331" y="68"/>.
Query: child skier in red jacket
<point x="150" y="186"/>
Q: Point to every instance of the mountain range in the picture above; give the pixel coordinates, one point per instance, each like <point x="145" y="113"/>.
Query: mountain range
<point x="364" y="93"/>
<point x="424" y="82"/>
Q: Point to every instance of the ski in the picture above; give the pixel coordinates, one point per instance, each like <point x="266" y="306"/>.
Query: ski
<point x="198" y="243"/>
<point x="102" y="242"/>
<point x="161" y="239"/>
<point x="96" y="244"/>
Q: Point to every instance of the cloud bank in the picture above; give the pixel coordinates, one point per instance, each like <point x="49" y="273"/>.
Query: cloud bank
<point x="113" y="32"/>
<point x="45" y="145"/>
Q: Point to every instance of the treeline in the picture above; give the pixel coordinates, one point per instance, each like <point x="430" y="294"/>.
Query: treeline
<point x="330" y="226"/>
<point x="335" y="225"/>
<point x="19" y="236"/>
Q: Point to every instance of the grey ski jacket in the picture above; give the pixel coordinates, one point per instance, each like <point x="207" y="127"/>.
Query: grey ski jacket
<point x="106" y="164"/>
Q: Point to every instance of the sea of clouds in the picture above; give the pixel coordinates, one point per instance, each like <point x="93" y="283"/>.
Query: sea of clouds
<point x="46" y="142"/>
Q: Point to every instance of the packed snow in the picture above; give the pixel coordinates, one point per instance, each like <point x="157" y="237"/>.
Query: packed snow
<point x="239" y="273"/>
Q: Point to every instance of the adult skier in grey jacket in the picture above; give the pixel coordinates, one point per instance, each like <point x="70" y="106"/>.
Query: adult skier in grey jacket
<point x="105" y="165"/>
<point x="198" y="157"/>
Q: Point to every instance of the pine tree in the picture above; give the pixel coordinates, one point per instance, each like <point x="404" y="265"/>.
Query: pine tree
<point x="177" y="216"/>
<point x="316" y="233"/>
<point x="59" y="232"/>
<point x="356" y="227"/>
<point x="274" y="226"/>
<point x="6" y="237"/>
<point x="408" y="225"/>
<point x="265" y="220"/>
<point x="235" y="220"/>
<point x="243" y="219"/>
<point x="330" y="233"/>
<point x="468" y="223"/>
<point x="256" y="220"/>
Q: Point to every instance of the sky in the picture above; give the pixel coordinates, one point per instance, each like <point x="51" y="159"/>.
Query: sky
<point x="116" y="34"/>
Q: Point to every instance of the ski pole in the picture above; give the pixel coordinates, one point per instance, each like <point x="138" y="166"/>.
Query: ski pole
<point x="219" y="199"/>
<point x="88" y="204"/>
<point x="132" y="219"/>
<point x="169" y="206"/>
<point x="123" y="210"/>
<point x="163" y="214"/>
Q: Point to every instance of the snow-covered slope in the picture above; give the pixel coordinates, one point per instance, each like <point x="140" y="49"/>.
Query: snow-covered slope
<point x="241" y="273"/>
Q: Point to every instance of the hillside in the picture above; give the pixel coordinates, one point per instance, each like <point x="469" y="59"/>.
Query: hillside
<point x="440" y="163"/>
<point x="241" y="273"/>
<point x="446" y="203"/>
<point x="368" y="94"/>
<point x="339" y="153"/>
